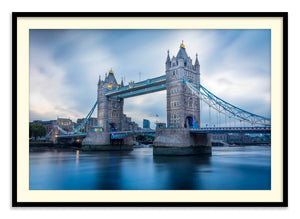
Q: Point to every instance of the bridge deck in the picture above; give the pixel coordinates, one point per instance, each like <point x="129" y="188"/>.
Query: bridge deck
<point x="140" y="88"/>
<point x="214" y="130"/>
<point x="72" y="135"/>
<point x="250" y="130"/>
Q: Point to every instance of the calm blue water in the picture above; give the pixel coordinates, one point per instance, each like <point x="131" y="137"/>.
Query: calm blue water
<point x="229" y="168"/>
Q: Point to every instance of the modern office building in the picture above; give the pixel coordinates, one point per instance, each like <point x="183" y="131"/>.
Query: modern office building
<point x="146" y="124"/>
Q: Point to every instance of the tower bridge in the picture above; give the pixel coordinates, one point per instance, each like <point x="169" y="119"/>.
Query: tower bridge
<point x="183" y="107"/>
<point x="183" y="134"/>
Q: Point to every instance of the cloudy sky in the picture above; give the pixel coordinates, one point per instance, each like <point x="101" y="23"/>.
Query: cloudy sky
<point x="65" y="66"/>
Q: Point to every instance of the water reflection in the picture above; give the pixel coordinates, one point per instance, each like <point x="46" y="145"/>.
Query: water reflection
<point x="178" y="172"/>
<point x="77" y="157"/>
<point x="228" y="168"/>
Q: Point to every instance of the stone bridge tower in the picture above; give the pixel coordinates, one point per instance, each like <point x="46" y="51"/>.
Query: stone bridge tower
<point x="110" y="118"/>
<point x="183" y="110"/>
<point x="183" y="107"/>
<point x="110" y="109"/>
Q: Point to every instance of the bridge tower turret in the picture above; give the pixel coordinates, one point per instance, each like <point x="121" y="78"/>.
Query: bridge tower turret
<point x="168" y="62"/>
<point x="110" y="109"/>
<point x="183" y="107"/>
<point x="197" y="65"/>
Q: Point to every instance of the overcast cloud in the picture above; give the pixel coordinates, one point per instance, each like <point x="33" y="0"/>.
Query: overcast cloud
<point x="65" y="66"/>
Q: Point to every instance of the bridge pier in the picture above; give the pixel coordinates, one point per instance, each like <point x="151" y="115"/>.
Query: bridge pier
<point x="101" y="141"/>
<point x="129" y="140"/>
<point x="179" y="141"/>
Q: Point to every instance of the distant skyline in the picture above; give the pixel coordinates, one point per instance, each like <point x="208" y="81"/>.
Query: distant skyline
<point x="65" y="66"/>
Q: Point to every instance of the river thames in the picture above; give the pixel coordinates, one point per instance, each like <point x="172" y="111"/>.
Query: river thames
<point x="228" y="168"/>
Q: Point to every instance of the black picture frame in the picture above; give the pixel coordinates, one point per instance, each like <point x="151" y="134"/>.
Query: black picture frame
<point x="283" y="15"/>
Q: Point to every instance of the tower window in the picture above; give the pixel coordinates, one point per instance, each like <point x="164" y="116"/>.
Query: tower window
<point x="190" y="104"/>
<point x="174" y="104"/>
<point x="173" y="91"/>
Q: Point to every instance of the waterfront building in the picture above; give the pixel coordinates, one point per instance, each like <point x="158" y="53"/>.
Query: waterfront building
<point x="146" y="124"/>
<point x="65" y="124"/>
<point x="248" y="139"/>
<point x="128" y="124"/>
<point x="92" y="122"/>
<point x="234" y="139"/>
<point x="219" y="137"/>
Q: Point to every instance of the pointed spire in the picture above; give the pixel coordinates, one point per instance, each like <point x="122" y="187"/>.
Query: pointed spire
<point x="110" y="78"/>
<point x="197" y="62"/>
<point x="168" y="58"/>
<point x="182" y="45"/>
<point x="105" y="79"/>
<point x="182" y="53"/>
<point x="99" y="81"/>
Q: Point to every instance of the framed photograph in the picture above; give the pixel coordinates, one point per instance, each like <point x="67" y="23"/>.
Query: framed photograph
<point x="149" y="109"/>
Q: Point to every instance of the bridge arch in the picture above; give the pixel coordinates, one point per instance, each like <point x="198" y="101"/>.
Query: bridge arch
<point x="113" y="127"/>
<point x="189" y="122"/>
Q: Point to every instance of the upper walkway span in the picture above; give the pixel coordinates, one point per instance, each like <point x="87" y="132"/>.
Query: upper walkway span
<point x="139" y="88"/>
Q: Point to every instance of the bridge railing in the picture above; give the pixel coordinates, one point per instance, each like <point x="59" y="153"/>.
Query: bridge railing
<point x="158" y="79"/>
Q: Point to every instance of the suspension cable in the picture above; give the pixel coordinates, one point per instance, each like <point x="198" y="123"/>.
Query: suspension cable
<point x="226" y="108"/>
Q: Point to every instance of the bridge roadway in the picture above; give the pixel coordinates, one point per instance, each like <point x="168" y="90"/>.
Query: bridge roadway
<point x="245" y="130"/>
<point x="213" y="130"/>
<point x="76" y="135"/>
